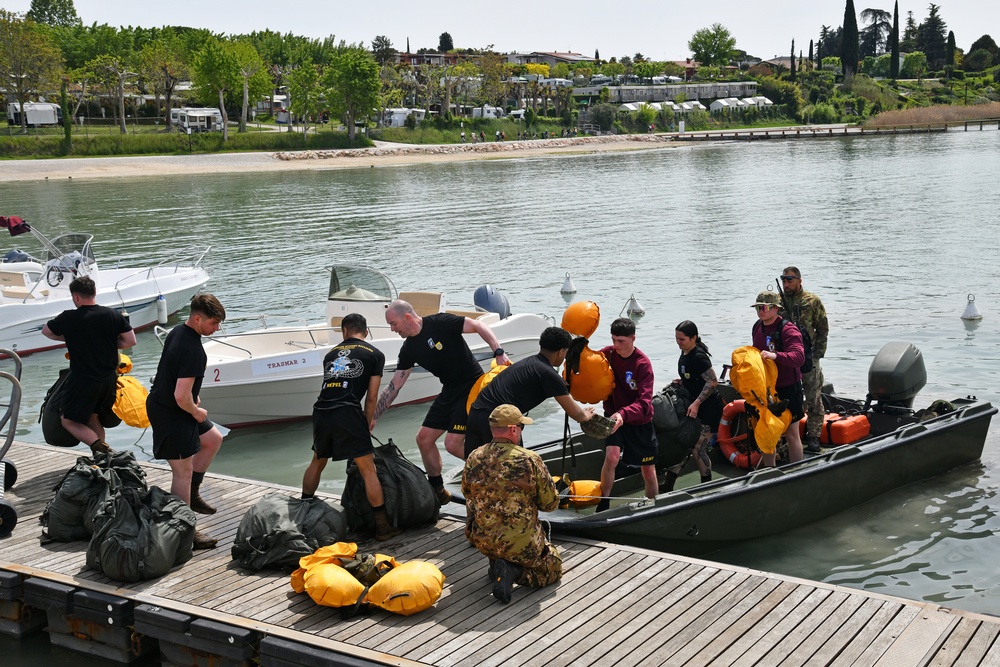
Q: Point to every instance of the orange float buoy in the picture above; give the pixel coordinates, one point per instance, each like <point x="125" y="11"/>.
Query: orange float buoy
<point x="727" y="442"/>
<point x="591" y="380"/>
<point x="581" y="318"/>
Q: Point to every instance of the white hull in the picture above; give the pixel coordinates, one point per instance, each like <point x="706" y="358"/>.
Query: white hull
<point x="275" y="374"/>
<point x="135" y="290"/>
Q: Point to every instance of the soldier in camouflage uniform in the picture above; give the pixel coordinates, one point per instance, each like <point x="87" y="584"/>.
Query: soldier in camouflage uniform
<point x="808" y="312"/>
<point x="505" y="486"/>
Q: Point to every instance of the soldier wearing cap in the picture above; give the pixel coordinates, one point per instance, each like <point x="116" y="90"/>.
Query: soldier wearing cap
<point x="780" y="340"/>
<point x="808" y="312"/>
<point x="505" y="486"/>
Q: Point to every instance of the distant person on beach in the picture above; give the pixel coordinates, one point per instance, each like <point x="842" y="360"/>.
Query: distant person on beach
<point x="182" y="431"/>
<point x="505" y="486"/>
<point x="435" y="342"/>
<point x="696" y="375"/>
<point x="780" y="340"/>
<point x="630" y="407"/>
<point x="352" y="371"/>
<point x="808" y="312"/>
<point x="93" y="335"/>
<point x="525" y="384"/>
<point x="463" y="136"/>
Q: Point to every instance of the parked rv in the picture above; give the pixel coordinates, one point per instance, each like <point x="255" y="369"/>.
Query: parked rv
<point x="487" y="111"/>
<point x="38" y="113"/>
<point x="195" y="119"/>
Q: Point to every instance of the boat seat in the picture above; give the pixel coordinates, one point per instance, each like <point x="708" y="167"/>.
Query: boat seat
<point x="12" y="279"/>
<point x="424" y="303"/>
<point x="335" y="322"/>
<point x="471" y="314"/>
<point x="21" y="293"/>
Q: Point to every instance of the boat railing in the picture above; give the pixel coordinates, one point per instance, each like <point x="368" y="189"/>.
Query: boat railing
<point x="11" y="407"/>
<point x="190" y="257"/>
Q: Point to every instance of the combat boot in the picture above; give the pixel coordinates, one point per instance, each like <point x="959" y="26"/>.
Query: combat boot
<point x="383" y="529"/>
<point x="811" y="445"/>
<point x="204" y="541"/>
<point x="443" y="495"/>
<point x="199" y="505"/>
<point x="505" y="574"/>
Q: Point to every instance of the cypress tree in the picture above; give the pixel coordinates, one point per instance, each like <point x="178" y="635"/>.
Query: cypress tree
<point x="949" y="53"/>
<point x="791" y="61"/>
<point x="849" y="48"/>
<point x="811" y="51"/>
<point x="894" y="44"/>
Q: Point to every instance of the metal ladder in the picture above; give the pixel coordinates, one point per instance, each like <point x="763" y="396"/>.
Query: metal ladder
<point x="8" y="428"/>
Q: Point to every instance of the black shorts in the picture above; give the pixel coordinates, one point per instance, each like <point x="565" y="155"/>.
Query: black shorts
<point x="83" y="398"/>
<point x="447" y="412"/>
<point x="176" y="434"/>
<point x="637" y="442"/>
<point x="477" y="431"/>
<point x="793" y="394"/>
<point x="341" y="433"/>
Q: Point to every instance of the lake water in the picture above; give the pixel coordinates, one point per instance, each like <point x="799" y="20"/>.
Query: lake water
<point x="892" y="233"/>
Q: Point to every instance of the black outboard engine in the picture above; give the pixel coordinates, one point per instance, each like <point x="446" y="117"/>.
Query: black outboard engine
<point x="16" y="256"/>
<point x="896" y="376"/>
<point x="491" y="299"/>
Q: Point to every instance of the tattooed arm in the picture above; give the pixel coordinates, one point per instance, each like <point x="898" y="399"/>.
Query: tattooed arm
<point x="390" y="392"/>
<point x="711" y="382"/>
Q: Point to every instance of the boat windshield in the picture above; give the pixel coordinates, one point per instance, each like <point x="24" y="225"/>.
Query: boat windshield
<point x="359" y="283"/>
<point x="70" y="245"/>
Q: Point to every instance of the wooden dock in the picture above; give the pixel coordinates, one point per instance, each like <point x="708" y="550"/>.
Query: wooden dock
<point x="615" y="605"/>
<point x="830" y="132"/>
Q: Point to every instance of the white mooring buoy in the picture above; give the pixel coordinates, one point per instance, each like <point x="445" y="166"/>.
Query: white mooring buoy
<point x="971" y="312"/>
<point x="161" y="309"/>
<point x="633" y="308"/>
<point x="568" y="286"/>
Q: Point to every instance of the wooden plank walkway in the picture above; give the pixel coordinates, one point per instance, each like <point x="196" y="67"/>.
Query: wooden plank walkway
<point x="615" y="605"/>
<point x="819" y="132"/>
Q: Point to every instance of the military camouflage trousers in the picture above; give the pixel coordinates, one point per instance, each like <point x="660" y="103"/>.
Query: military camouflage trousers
<point x="812" y="387"/>
<point x="542" y="571"/>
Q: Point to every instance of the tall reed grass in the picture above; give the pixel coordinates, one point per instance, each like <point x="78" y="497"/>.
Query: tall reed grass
<point x="935" y="114"/>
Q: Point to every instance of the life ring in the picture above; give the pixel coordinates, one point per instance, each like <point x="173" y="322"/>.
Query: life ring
<point x="727" y="442"/>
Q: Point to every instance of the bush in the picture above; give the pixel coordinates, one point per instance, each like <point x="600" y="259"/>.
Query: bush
<point x="822" y="113"/>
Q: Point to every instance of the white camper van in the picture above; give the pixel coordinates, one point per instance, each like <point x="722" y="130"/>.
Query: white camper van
<point x="38" y="113"/>
<point x="196" y="119"/>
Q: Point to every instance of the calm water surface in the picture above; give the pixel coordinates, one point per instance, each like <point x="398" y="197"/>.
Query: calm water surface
<point x="893" y="233"/>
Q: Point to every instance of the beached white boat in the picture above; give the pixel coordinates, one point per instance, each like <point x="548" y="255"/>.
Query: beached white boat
<point x="273" y="373"/>
<point x="33" y="291"/>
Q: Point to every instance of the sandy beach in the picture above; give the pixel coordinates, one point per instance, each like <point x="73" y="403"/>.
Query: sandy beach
<point x="383" y="155"/>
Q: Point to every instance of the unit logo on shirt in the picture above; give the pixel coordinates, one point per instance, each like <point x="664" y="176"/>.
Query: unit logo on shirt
<point x="437" y="346"/>
<point x="629" y="381"/>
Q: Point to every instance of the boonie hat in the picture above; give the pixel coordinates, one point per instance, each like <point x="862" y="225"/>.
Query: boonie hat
<point x="767" y="298"/>
<point x="508" y="415"/>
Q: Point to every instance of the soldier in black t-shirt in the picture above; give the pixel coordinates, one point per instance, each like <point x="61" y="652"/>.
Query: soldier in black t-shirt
<point x="525" y="385"/>
<point x="352" y="371"/>
<point x="435" y="343"/>
<point x="93" y="336"/>
<point x="182" y="431"/>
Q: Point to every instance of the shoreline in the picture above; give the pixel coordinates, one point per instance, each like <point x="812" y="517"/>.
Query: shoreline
<point x="383" y="155"/>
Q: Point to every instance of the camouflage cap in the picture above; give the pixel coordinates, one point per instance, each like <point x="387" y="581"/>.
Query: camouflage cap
<point x="507" y="415"/>
<point x="767" y="298"/>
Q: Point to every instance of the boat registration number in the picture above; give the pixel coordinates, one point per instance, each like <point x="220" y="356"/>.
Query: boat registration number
<point x="286" y="363"/>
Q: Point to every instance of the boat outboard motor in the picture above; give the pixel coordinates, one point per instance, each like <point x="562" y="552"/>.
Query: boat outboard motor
<point x="491" y="299"/>
<point x="16" y="256"/>
<point x="896" y="376"/>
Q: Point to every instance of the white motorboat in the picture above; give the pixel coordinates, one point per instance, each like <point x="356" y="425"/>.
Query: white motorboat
<point x="273" y="373"/>
<point x="33" y="291"/>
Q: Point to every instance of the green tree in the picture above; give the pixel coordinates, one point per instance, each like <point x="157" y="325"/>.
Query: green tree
<point x="909" y="41"/>
<point x="949" y="51"/>
<point x="164" y="65"/>
<point x="613" y="69"/>
<point x="977" y="61"/>
<point x="445" y="43"/>
<point x="29" y="61"/>
<point x="792" y="63"/>
<point x="353" y="84"/>
<point x="986" y="42"/>
<point x="53" y="12"/>
<point x="712" y="46"/>
<point x="931" y="38"/>
<point x="647" y="69"/>
<point x="305" y="93"/>
<point x="254" y="79"/>
<point x="382" y="50"/>
<point x="603" y="115"/>
<point x="894" y="43"/>
<point x="117" y="73"/>
<point x="216" y="75"/>
<point x="914" y="65"/>
<point x="646" y="115"/>
<point x="492" y="87"/>
<point x="873" y="37"/>
<point x="849" y="48"/>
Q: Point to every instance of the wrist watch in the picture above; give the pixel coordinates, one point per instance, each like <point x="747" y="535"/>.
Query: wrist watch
<point x="498" y="352"/>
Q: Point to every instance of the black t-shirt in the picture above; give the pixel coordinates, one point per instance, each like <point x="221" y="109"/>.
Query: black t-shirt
<point x="525" y="384"/>
<point x="691" y="367"/>
<point x="183" y="357"/>
<point x="91" y="334"/>
<point x="440" y="348"/>
<point x="347" y="368"/>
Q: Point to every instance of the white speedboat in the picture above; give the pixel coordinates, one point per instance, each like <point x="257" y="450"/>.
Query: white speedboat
<point x="273" y="373"/>
<point x="33" y="291"/>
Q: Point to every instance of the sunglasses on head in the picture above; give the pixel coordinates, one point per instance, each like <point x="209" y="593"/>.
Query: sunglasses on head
<point x="788" y="278"/>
